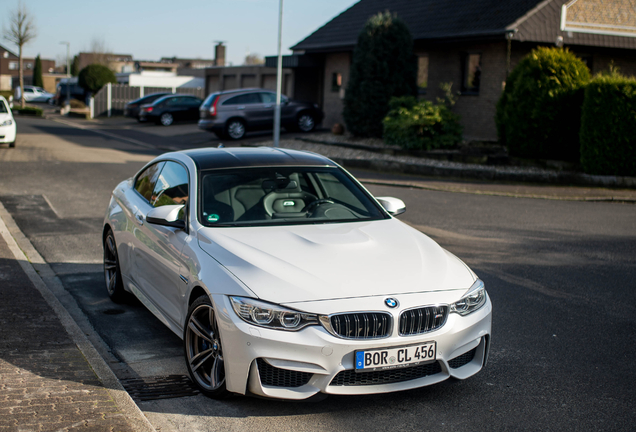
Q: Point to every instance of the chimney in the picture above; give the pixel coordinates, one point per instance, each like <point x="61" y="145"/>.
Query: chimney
<point x="219" y="54"/>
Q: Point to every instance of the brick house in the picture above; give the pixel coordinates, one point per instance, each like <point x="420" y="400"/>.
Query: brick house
<point x="10" y="68"/>
<point x="471" y="43"/>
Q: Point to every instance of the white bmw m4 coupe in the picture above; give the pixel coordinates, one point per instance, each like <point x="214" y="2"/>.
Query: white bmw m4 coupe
<point x="285" y="278"/>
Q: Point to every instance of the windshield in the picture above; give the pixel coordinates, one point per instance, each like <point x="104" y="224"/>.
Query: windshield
<point x="3" y="107"/>
<point x="282" y="196"/>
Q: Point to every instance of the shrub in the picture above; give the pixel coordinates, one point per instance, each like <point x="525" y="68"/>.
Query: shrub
<point x="421" y="125"/>
<point x="608" y="126"/>
<point x="539" y="112"/>
<point x="32" y="111"/>
<point x="93" y="77"/>
<point x="383" y="66"/>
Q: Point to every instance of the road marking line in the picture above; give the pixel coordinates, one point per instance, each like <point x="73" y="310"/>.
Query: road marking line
<point x="117" y="137"/>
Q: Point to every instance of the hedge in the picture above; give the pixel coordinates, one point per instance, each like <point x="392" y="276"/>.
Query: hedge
<point x="421" y="125"/>
<point x="608" y="126"/>
<point x="539" y="112"/>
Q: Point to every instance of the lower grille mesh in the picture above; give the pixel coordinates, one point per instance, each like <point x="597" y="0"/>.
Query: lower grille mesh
<point x="351" y="378"/>
<point x="276" y="377"/>
<point x="463" y="359"/>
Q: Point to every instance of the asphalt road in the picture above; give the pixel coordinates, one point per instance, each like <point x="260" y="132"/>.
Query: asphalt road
<point x="561" y="276"/>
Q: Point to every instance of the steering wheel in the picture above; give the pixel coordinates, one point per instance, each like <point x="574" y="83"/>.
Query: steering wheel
<point x="268" y="200"/>
<point x="309" y="207"/>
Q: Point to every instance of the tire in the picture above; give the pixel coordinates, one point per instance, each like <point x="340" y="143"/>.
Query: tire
<point x="235" y="129"/>
<point x="112" y="272"/>
<point x="305" y="122"/>
<point x="166" y="119"/>
<point x="12" y="144"/>
<point x="203" y="349"/>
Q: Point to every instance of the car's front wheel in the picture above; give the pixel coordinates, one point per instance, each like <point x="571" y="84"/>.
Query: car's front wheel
<point x="235" y="129"/>
<point x="12" y="144"/>
<point x="166" y="119"/>
<point x="203" y="349"/>
<point x="112" y="272"/>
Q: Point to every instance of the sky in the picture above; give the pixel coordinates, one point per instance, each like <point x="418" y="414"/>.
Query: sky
<point x="151" y="29"/>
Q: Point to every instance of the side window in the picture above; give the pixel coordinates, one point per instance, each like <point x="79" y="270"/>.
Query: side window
<point x="171" y="187"/>
<point x="471" y="73"/>
<point x="148" y="179"/>
<point x="244" y="99"/>
<point x="422" y="73"/>
<point x="268" y="98"/>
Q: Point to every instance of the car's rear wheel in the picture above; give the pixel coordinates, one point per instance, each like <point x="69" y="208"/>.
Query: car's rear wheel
<point x="203" y="349"/>
<point x="166" y="119"/>
<point x="235" y="129"/>
<point x="306" y="122"/>
<point x="112" y="272"/>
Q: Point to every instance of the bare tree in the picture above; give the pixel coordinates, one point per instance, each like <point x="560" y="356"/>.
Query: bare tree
<point x="100" y="51"/>
<point x="21" y="30"/>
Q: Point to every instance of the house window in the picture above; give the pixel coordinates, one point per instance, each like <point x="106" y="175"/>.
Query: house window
<point x="422" y="73"/>
<point x="336" y="82"/>
<point x="471" y="68"/>
<point x="28" y="66"/>
<point x="13" y="66"/>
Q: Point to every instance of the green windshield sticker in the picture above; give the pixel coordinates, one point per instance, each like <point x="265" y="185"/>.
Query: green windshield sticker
<point x="213" y="218"/>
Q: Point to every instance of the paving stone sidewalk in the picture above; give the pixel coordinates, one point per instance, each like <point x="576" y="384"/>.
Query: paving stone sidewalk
<point x="46" y="384"/>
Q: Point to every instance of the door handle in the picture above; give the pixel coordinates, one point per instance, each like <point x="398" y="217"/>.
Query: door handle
<point x="240" y="107"/>
<point x="140" y="218"/>
<point x="269" y="106"/>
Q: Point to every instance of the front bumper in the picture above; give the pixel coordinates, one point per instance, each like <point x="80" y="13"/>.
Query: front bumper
<point x="298" y="365"/>
<point x="8" y="133"/>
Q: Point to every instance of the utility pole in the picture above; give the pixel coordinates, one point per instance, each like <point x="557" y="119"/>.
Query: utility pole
<point x="68" y="72"/>
<point x="279" y="77"/>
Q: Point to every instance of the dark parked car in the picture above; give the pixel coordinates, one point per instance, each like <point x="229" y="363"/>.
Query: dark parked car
<point x="76" y="92"/>
<point x="232" y="113"/>
<point x="168" y="109"/>
<point x="131" y="109"/>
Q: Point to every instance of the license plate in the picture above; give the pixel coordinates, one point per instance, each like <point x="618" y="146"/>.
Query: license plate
<point x="393" y="358"/>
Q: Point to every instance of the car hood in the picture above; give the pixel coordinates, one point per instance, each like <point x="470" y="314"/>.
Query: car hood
<point x="302" y="263"/>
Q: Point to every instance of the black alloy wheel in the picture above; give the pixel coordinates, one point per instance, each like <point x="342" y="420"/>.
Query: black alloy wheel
<point x="203" y="349"/>
<point x="112" y="272"/>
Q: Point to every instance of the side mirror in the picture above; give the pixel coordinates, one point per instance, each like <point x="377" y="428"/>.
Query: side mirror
<point x="167" y="215"/>
<point x="392" y="205"/>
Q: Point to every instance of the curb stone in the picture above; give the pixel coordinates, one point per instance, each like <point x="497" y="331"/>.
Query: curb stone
<point x="29" y="258"/>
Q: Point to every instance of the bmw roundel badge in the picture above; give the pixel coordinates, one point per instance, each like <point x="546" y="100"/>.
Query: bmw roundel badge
<point x="391" y="302"/>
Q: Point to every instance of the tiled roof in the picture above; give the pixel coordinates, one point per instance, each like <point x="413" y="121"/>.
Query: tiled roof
<point x="427" y="19"/>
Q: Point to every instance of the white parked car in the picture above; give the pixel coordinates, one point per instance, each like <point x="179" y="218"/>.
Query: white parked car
<point x="285" y="278"/>
<point x="7" y="124"/>
<point x="33" y="94"/>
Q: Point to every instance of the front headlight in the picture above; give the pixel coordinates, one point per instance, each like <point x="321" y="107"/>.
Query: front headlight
<point x="474" y="299"/>
<point x="272" y="316"/>
<point x="7" y="123"/>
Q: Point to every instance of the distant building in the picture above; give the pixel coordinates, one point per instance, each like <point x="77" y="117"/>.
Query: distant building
<point x="116" y="62"/>
<point x="10" y="68"/>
